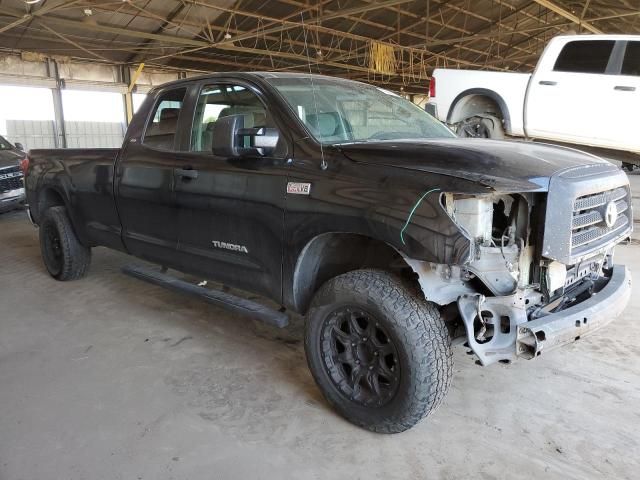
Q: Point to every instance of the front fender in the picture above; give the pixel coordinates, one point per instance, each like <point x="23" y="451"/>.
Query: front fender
<point x="419" y="228"/>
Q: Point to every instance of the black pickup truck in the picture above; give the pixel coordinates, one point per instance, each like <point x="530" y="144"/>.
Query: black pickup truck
<point x="348" y="204"/>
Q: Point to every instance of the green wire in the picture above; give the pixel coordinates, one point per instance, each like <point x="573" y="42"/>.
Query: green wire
<point x="413" y="210"/>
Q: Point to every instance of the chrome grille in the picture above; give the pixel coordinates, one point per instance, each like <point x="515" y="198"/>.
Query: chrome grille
<point x="598" y="199"/>
<point x="10" y="179"/>
<point x="589" y="227"/>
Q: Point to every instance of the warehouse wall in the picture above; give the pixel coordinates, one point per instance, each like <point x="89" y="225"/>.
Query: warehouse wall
<point x="88" y="98"/>
<point x="94" y="134"/>
<point x="31" y="133"/>
<point x="41" y="134"/>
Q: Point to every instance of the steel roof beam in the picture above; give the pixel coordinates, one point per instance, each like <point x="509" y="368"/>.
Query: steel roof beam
<point x="568" y="15"/>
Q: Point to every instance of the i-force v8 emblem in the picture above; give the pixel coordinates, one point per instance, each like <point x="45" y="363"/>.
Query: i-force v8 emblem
<point x="299" y="188"/>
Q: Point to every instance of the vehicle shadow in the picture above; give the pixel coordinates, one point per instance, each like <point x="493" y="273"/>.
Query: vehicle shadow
<point x="226" y="366"/>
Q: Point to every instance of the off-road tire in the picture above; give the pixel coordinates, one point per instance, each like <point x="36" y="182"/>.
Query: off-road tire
<point x="64" y="256"/>
<point x="414" y="326"/>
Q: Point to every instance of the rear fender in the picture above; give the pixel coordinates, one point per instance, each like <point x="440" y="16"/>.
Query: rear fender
<point x="463" y="106"/>
<point x="50" y="195"/>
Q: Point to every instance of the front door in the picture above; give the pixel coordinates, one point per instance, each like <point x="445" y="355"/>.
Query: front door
<point x="232" y="209"/>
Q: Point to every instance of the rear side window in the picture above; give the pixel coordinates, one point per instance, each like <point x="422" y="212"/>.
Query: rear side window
<point x="631" y="62"/>
<point x="585" y="56"/>
<point x="163" y="124"/>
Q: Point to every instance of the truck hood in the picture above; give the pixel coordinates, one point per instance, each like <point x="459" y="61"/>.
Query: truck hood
<point x="10" y="158"/>
<point x="504" y="166"/>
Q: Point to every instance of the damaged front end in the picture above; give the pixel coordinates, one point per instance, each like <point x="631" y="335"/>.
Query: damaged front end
<point x="540" y="273"/>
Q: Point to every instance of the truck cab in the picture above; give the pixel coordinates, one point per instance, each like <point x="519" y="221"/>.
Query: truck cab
<point x="585" y="91"/>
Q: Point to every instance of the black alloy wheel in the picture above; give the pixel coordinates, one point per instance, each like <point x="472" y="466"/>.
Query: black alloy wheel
<point x="360" y="357"/>
<point x="380" y="353"/>
<point x="64" y="256"/>
<point x="52" y="249"/>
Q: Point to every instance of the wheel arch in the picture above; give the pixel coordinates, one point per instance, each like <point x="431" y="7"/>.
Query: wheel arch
<point x="330" y="254"/>
<point x="51" y="195"/>
<point x="48" y="196"/>
<point x="475" y="101"/>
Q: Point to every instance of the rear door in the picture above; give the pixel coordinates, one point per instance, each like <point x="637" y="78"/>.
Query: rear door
<point x="564" y="101"/>
<point x="145" y="178"/>
<point x="232" y="209"/>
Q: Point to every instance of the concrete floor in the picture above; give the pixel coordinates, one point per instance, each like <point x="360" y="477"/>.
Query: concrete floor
<point x="112" y="378"/>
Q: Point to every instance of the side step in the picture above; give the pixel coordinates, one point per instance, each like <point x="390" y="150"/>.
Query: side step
<point x="236" y="304"/>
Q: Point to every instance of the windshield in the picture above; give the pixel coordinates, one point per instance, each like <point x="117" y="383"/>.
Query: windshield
<point x="340" y="111"/>
<point x="5" y="145"/>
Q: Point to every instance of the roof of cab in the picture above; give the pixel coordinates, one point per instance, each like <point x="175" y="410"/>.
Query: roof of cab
<point x="248" y="75"/>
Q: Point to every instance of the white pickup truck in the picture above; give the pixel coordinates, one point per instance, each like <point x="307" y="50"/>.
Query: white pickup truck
<point x="585" y="91"/>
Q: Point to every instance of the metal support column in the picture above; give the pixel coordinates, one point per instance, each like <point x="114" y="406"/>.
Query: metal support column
<point x="60" y="130"/>
<point x="125" y="77"/>
<point x="131" y="81"/>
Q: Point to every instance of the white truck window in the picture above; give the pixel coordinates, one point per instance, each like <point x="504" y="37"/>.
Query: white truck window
<point x="631" y="62"/>
<point x="585" y="56"/>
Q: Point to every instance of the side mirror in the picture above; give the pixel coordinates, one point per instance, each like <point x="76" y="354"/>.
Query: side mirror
<point x="231" y="139"/>
<point x="19" y="146"/>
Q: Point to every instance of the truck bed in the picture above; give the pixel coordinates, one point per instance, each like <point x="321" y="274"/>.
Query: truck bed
<point x="83" y="178"/>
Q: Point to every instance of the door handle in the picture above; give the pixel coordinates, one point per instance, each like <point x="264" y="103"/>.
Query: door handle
<point x="547" y="82"/>
<point x="624" y="88"/>
<point x="187" y="173"/>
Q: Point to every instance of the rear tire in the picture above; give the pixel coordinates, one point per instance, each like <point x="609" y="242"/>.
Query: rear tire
<point x="485" y="126"/>
<point x="379" y="352"/>
<point x="64" y="256"/>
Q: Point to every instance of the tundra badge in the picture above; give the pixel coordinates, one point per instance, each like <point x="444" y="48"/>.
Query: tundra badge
<point x="230" y="246"/>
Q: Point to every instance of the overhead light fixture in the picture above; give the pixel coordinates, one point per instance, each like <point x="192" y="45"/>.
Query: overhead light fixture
<point x="88" y="12"/>
<point x="227" y="36"/>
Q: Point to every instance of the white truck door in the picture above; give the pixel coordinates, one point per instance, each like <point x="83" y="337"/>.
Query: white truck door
<point x="565" y="92"/>
<point x="623" y="95"/>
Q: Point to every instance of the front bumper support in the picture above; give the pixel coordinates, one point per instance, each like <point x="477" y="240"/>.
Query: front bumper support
<point x="513" y="335"/>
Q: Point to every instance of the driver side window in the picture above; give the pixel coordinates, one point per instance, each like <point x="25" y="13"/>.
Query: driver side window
<point x="222" y="100"/>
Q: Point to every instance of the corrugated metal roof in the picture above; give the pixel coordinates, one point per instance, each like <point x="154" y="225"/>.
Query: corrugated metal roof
<point x="332" y="37"/>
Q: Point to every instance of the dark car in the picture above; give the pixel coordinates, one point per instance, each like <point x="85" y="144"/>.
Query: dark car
<point x="350" y="205"/>
<point x="11" y="183"/>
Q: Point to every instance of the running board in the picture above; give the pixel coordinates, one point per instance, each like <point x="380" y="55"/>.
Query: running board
<point x="236" y="304"/>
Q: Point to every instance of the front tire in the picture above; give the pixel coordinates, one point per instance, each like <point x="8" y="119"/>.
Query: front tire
<point x="379" y="352"/>
<point x="64" y="256"/>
